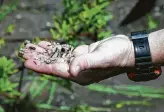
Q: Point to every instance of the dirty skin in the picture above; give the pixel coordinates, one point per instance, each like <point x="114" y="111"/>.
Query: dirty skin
<point x="57" y="54"/>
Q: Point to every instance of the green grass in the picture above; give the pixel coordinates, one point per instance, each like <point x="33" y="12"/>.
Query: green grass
<point x="129" y="90"/>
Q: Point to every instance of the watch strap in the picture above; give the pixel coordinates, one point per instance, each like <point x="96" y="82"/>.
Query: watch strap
<point x="144" y="68"/>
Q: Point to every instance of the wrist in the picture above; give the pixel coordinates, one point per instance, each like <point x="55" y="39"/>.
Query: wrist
<point x="145" y="70"/>
<point x="156" y="43"/>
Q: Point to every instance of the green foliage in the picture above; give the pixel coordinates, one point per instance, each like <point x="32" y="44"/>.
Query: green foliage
<point x="40" y="83"/>
<point x="7" y="88"/>
<point x="52" y="92"/>
<point x="7" y="69"/>
<point x="36" y="40"/>
<point x="6" y="9"/>
<point x="37" y="91"/>
<point x="84" y="108"/>
<point x="129" y="90"/>
<point x="79" y="17"/>
<point x="81" y="108"/>
<point x="76" y="108"/>
<point x="121" y="104"/>
<point x="49" y="83"/>
<point x="61" y="82"/>
<point x="152" y="24"/>
<point x="1" y="109"/>
<point x="45" y="106"/>
<point x="2" y="42"/>
<point x="10" y="29"/>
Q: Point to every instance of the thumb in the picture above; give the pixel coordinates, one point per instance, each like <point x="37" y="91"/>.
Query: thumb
<point x="85" y="61"/>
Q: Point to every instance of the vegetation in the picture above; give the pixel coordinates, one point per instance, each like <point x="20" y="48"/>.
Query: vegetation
<point x="152" y="24"/>
<point x="7" y="8"/>
<point x="82" y="18"/>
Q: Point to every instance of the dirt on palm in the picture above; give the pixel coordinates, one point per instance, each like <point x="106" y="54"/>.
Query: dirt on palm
<point x="55" y="53"/>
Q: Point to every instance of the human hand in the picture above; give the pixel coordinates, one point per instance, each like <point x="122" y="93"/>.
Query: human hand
<point x="91" y="63"/>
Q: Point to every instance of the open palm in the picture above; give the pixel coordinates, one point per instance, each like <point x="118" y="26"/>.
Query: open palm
<point x="91" y="63"/>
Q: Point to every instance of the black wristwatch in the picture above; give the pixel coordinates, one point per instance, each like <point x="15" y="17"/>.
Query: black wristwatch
<point x="144" y="70"/>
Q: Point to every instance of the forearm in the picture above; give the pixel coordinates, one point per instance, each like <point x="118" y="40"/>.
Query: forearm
<point x="156" y="42"/>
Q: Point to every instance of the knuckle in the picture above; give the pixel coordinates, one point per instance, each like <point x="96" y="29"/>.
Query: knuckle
<point x="122" y="36"/>
<point x="86" y="63"/>
<point x="83" y="62"/>
<point x="93" y="46"/>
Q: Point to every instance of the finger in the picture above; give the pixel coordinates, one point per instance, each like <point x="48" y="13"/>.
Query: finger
<point x="122" y="36"/>
<point x="45" y="45"/>
<point x="59" y="69"/>
<point x="32" y="51"/>
<point x="34" y="48"/>
<point x="29" y="55"/>
<point x="93" y="46"/>
<point x="86" y="61"/>
<point x="83" y="49"/>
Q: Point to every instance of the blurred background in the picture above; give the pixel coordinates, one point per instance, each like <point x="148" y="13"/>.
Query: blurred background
<point x="75" y="22"/>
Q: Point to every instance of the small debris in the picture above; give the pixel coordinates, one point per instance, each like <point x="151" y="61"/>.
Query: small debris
<point x="21" y="52"/>
<point x="48" y="24"/>
<point x="48" y="45"/>
<point x="32" y="48"/>
<point x="35" y="62"/>
<point x="18" y="16"/>
<point x="27" y="42"/>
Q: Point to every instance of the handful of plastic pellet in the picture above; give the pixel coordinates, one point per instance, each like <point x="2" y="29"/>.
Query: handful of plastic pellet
<point x="57" y="53"/>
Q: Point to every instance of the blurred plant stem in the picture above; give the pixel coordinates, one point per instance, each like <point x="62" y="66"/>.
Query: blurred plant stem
<point x="77" y="108"/>
<point x="21" y="78"/>
<point x="129" y="90"/>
